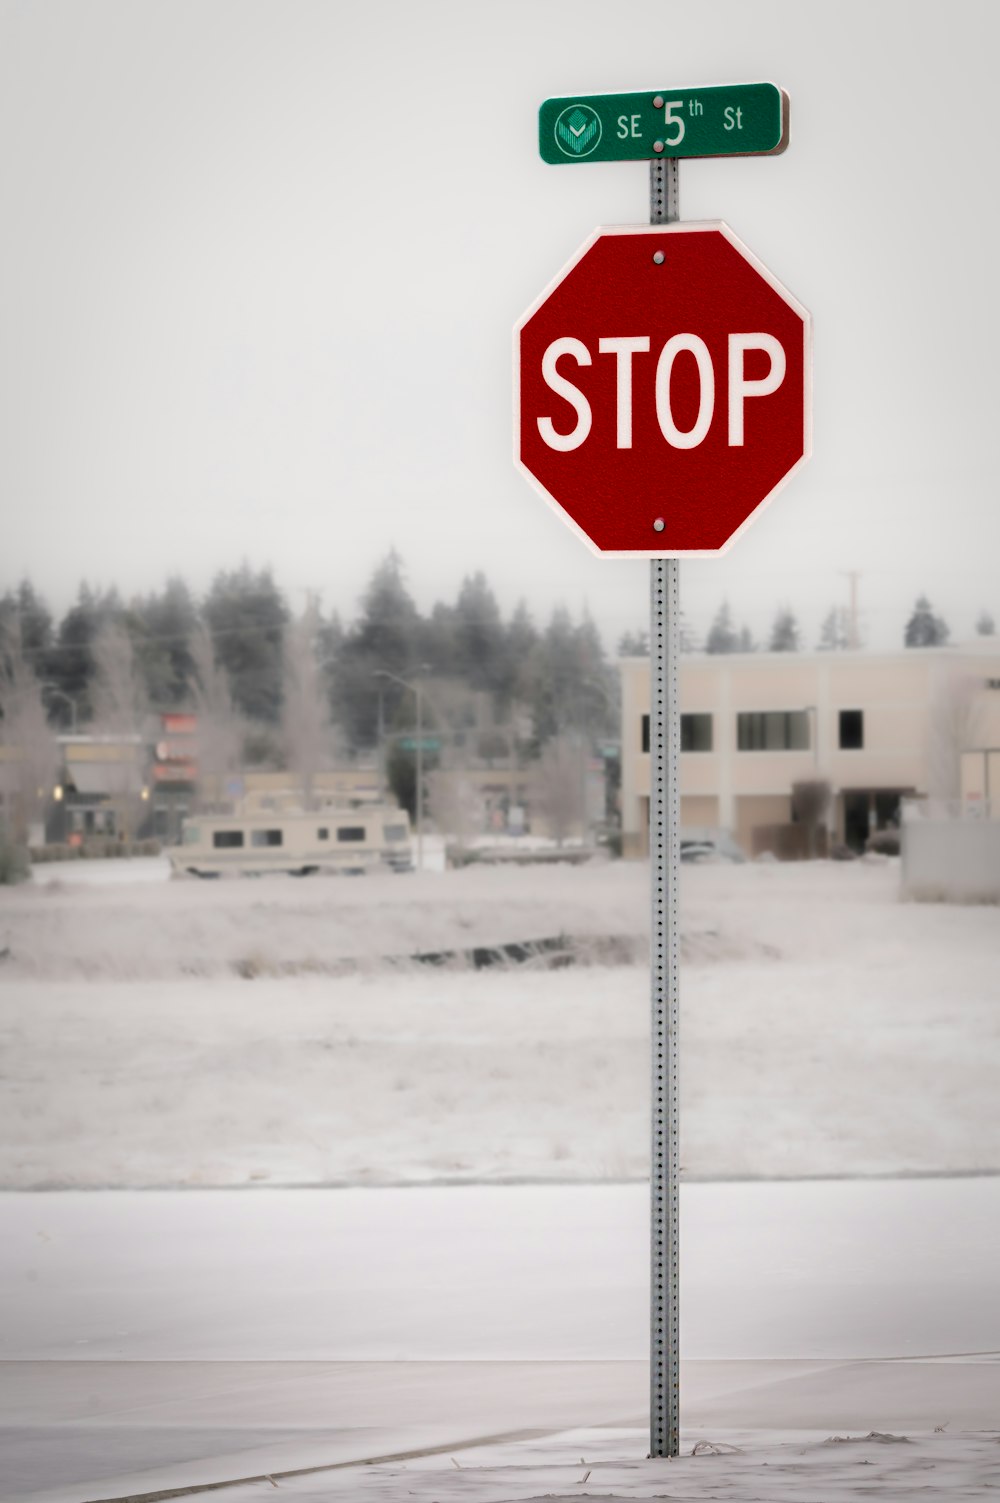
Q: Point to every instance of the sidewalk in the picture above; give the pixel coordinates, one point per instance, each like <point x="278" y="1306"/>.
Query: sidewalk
<point x="163" y="1339"/>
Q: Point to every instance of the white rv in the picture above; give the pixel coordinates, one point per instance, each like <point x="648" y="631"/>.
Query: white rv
<point x="330" y="840"/>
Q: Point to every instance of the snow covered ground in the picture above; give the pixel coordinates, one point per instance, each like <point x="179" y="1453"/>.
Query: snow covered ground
<point x="485" y="1342"/>
<point x="810" y="1467"/>
<point x="481" y="1340"/>
<point x="276" y="1032"/>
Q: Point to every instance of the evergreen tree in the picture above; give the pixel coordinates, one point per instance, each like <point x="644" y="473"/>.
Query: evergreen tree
<point x="722" y="634"/>
<point x="784" y="632"/>
<point x="389" y="626"/>
<point x="246" y="616"/>
<point x="72" y="668"/>
<point x="633" y="644"/>
<point x="439" y="639"/>
<point x="554" y="665"/>
<point x="745" y="641"/>
<point x="985" y="624"/>
<point x="479" y="635"/>
<point x="572" y="686"/>
<point x="924" y="629"/>
<point x="520" y="650"/>
<point x="596" y="687"/>
<point x="833" y="634"/>
<point x="162" y="628"/>
<point x="25" y="615"/>
<point x="688" y="636"/>
<point x="388" y="636"/>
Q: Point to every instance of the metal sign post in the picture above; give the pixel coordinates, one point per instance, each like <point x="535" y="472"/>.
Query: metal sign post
<point x="643" y="318"/>
<point x="664" y="861"/>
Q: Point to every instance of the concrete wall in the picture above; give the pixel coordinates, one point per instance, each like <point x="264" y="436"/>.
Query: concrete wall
<point x="951" y="860"/>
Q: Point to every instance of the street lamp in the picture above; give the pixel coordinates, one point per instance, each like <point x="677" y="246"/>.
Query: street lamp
<point x="415" y="689"/>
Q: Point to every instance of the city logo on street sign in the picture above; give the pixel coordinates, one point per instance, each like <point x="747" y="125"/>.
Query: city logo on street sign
<point x="578" y="131"/>
<point x="662" y="389"/>
<point x="721" y="121"/>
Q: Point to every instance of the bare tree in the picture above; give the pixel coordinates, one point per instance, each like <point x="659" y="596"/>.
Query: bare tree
<point x="305" y="717"/>
<point x="120" y="710"/>
<point x="455" y="807"/>
<point x="560" y="785"/>
<point x="29" y="757"/>
<point x="219" y="726"/>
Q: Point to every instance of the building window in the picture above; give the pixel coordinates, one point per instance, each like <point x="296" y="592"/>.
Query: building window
<point x="696" y="733"/>
<point x="772" y="730"/>
<point x="645" y="733"/>
<point x="351" y="832"/>
<point x="852" y="730"/>
<point x="265" y="837"/>
<point x="227" y="840"/>
<point x="323" y="834"/>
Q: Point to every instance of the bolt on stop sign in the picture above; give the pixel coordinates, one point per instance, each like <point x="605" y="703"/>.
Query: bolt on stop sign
<point x="662" y="389"/>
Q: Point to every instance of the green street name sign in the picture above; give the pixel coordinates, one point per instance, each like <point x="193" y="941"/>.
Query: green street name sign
<point x="424" y="743"/>
<point x="734" y="120"/>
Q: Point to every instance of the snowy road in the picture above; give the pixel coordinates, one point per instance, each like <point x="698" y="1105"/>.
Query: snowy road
<point x="157" y="1339"/>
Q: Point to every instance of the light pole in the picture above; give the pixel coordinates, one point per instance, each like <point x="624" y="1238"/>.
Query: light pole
<point x="380" y="745"/>
<point x="415" y="689"/>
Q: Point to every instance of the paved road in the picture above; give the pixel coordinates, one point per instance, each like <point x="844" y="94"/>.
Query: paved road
<point x="157" y="1338"/>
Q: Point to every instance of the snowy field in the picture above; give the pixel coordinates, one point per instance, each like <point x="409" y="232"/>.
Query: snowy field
<point x="277" y="1032"/>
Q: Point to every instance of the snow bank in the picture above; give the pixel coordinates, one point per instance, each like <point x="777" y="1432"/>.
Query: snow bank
<point x="612" y="1464"/>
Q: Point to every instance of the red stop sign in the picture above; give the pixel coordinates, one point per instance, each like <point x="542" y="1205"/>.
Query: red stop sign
<point x="662" y="389"/>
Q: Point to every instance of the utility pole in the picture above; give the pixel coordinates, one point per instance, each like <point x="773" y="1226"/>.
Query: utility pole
<point x="853" y="631"/>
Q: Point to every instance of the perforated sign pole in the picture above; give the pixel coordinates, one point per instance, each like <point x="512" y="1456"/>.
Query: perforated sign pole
<point x="664" y="860"/>
<point x="609" y="466"/>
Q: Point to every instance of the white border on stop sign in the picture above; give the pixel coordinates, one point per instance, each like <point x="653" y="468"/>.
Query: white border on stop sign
<point x="684" y="227"/>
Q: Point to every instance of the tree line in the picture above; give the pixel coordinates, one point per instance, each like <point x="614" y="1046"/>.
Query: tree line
<point x="243" y="645"/>
<point x="924" y="628"/>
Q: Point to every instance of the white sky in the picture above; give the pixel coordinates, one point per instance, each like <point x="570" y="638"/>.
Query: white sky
<point x="261" y="260"/>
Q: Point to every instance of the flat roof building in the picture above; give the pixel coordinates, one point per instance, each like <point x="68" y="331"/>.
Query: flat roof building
<point x="876" y="726"/>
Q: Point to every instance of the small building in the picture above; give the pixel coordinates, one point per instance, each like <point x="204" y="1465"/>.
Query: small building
<point x="102" y="790"/>
<point x="877" y="727"/>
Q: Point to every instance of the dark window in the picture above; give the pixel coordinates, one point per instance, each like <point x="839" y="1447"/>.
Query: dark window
<point x="265" y="837"/>
<point x="645" y="733"/>
<point x="852" y="730"/>
<point x="351" y="832"/>
<point x="323" y="834"/>
<point x="772" y="730"/>
<point x="225" y="840"/>
<point x="696" y="733"/>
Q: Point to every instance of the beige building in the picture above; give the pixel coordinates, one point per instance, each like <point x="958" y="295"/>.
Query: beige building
<point x="875" y="726"/>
